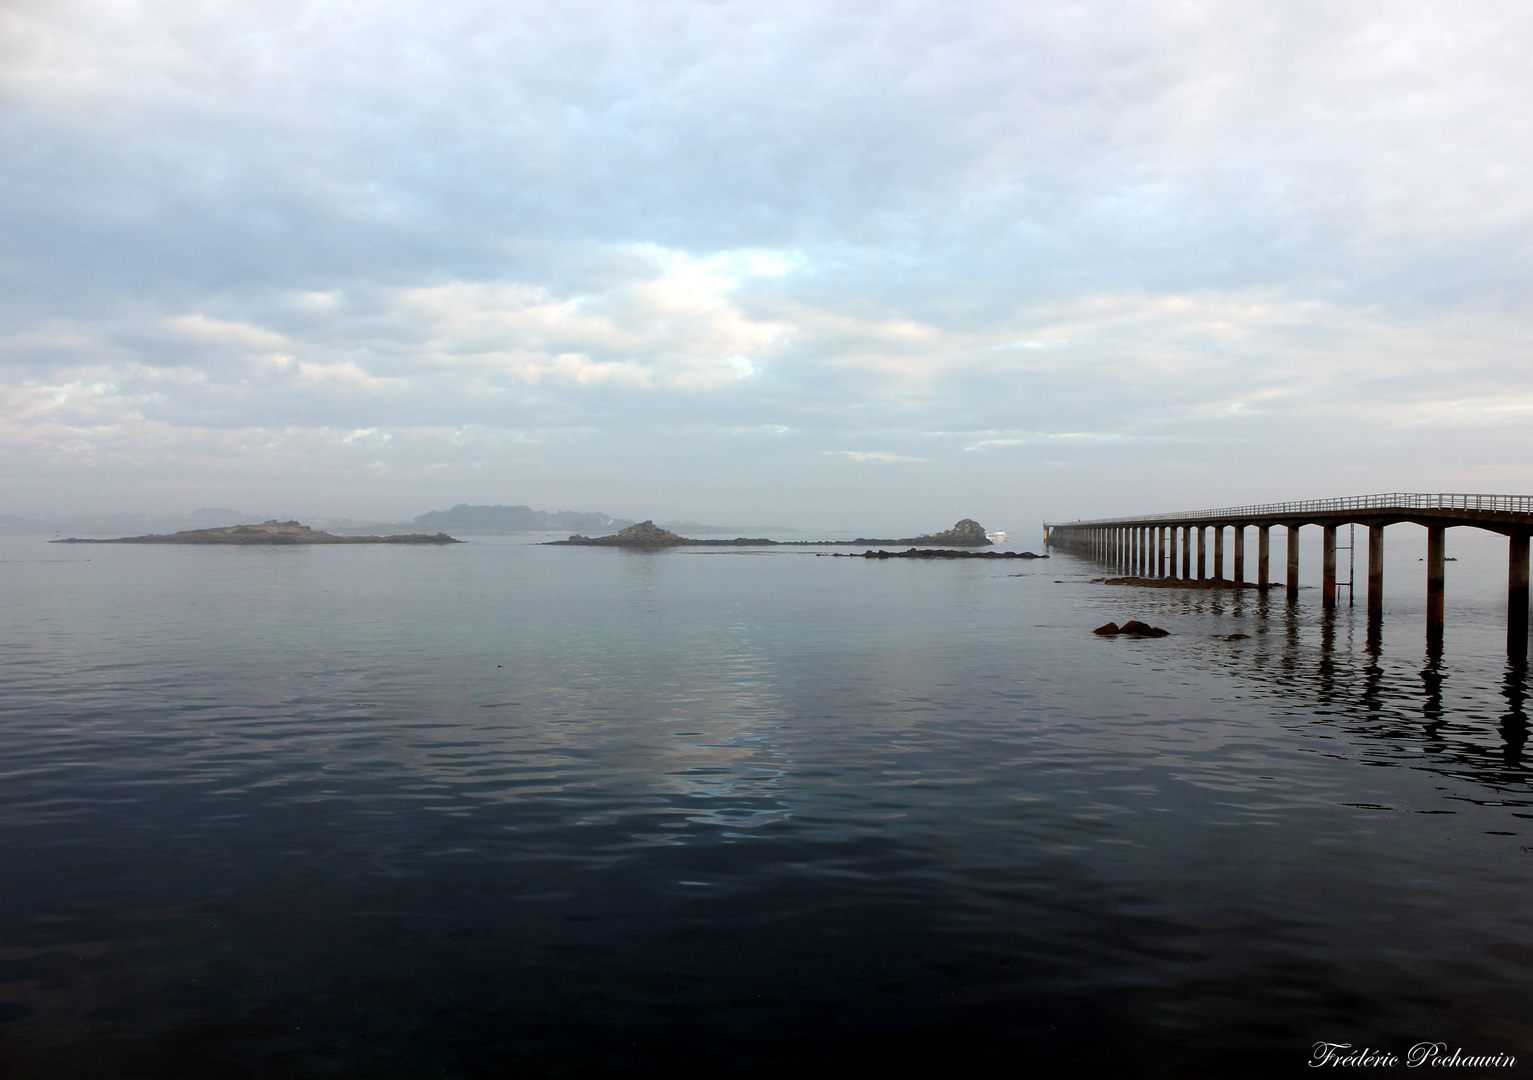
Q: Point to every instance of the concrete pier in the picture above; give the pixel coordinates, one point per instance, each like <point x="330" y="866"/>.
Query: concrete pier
<point x="1149" y="545"/>
<point x="1291" y="582"/>
<point x="1436" y="554"/>
<point x="1517" y="598"/>
<point x="1328" y="567"/>
<point x="1375" y="573"/>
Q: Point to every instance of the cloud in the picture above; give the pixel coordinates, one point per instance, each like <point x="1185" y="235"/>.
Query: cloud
<point x="875" y="456"/>
<point x="580" y="248"/>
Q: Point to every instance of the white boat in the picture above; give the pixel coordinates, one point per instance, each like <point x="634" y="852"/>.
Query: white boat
<point x="997" y="537"/>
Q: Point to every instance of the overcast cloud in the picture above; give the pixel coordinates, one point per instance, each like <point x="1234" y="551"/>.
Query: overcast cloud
<point x="827" y="264"/>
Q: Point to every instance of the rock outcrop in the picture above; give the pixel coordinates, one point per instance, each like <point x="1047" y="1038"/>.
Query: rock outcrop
<point x="644" y="534"/>
<point x="966" y="533"/>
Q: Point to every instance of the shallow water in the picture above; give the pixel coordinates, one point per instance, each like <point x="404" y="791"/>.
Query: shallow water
<point x="501" y="808"/>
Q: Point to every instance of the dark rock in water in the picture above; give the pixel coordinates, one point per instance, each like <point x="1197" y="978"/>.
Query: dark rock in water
<point x="280" y="533"/>
<point x="1132" y="628"/>
<point x="1237" y="637"/>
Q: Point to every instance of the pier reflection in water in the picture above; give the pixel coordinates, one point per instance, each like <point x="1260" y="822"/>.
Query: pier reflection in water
<point x="1463" y="717"/>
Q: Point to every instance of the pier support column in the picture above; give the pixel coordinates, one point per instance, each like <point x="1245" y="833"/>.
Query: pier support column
<point x="1202" y="552"/>
<point x="1160" y="551"/>
<point x="1436" y="552"/>
<point x="1263" y="550"/>
<point x="1328" y="568"/>
<point x="1218" y="552"/>
<point x="1186" y="552"/>
<point x="1375" y="573"/>
<point x="1291" y="583"/>
<point x="1240" y="553"/>
<point x="1517" y="598"/>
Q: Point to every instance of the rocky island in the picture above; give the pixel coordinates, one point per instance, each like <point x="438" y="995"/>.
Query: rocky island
<point x="646" y="534"/>
<point x="270" y="532"/>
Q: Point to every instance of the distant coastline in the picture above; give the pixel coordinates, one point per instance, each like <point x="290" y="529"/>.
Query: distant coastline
<point x="278" y="533"/>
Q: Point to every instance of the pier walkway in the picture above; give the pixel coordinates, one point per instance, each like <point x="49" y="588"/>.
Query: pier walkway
<point x="1151" y="545"/>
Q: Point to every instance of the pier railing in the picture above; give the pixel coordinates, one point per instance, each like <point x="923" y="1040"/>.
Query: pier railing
<point x="1495" y="504"/>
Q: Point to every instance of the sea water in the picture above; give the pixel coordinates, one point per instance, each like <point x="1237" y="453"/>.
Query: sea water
<point x="501" y="809"/>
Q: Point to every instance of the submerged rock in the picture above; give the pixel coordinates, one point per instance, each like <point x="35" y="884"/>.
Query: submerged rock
<point x="1132" y="628"/>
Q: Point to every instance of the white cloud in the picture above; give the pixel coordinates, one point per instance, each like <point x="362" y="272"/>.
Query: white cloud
<point x="876" y="456"/>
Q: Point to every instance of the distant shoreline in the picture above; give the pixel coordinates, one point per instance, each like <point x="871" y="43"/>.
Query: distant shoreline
<point x="269" y="534"/>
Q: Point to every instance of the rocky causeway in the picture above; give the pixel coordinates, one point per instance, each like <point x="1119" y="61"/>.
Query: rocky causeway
<point x="646" y="534"/>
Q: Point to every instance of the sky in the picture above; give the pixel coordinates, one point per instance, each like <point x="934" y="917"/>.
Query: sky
<point x="828" y="265"/>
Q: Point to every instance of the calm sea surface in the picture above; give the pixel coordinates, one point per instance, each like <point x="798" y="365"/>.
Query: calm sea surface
<point x="504" y="810"/>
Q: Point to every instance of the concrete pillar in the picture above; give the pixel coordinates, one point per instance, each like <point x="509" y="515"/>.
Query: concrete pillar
<point x="1202" y="552"/>
<point x="1436" y="552"/>
<point x="1517" y="598"/>
<point x="1263" y="550"/>
<point x="1291" y="583"/>
<point x="1328" y="568"/>
<point x="1240" y="553"/>
<point x="1218" y="552"/>
<point x="1375" y="573"/>
<point x="1186" y="552"/>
